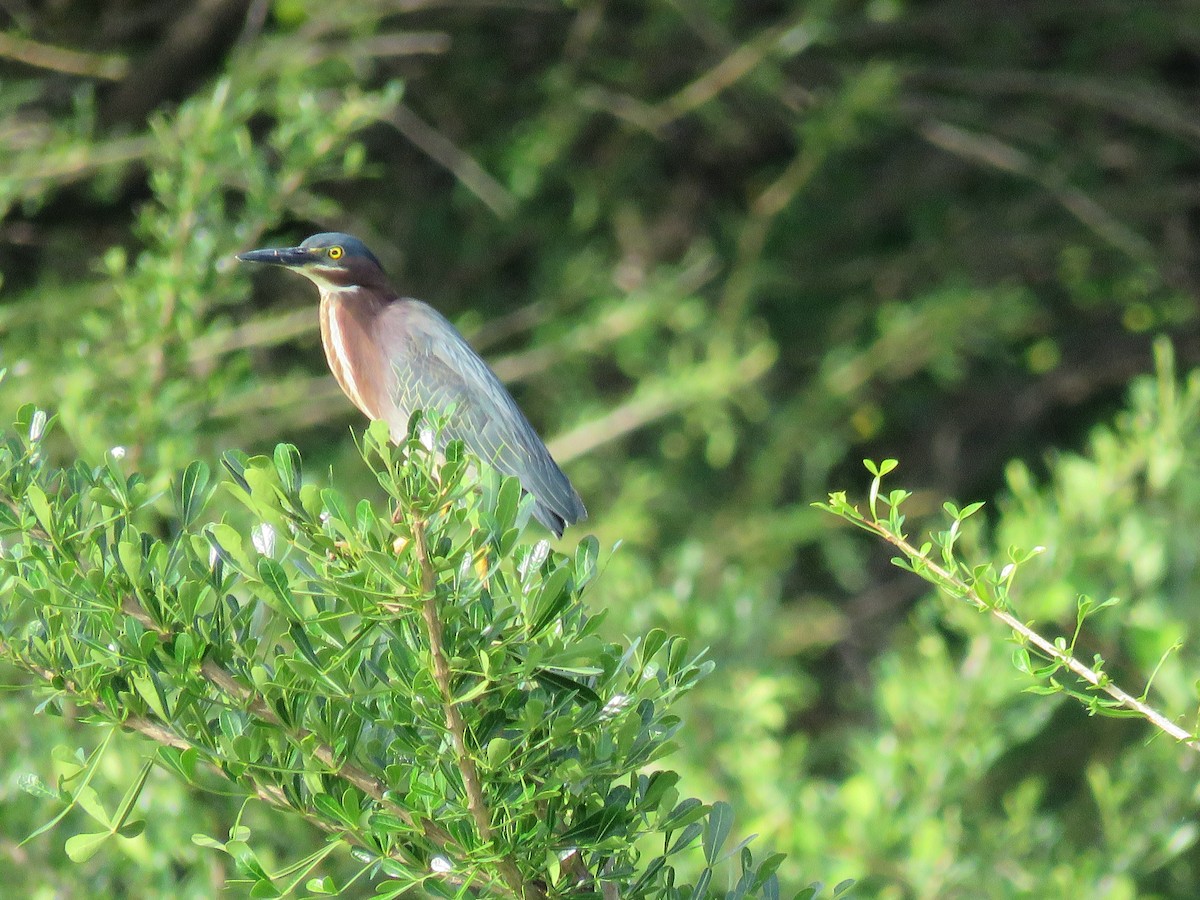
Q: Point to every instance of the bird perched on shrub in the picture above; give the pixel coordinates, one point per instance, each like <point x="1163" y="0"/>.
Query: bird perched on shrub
<point x="394" y="355"/>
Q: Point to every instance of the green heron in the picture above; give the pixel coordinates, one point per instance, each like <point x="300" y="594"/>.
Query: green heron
<point x="393" y="356"/>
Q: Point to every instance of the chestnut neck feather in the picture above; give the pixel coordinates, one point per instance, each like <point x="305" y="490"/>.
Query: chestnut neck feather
<point x="350" y="336"/>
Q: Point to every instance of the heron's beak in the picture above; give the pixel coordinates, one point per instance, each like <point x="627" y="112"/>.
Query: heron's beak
<point x="290" y="257"/>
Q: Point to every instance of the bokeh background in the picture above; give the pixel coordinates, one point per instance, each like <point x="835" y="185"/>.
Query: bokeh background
<point x="720" y="251"/>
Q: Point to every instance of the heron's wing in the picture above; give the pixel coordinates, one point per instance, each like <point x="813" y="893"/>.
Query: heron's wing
<point x="435" y="367"/>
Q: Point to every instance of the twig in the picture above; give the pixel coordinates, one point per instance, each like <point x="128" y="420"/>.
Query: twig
<point x="1091" y="676"/>
<point x="458" y="162"/>
<point x="301" y="737"/>
<point x="77" y="161"/>
<point x="743" y="60"/>
<point x="408" y="43"/>
<point x="473" y="787"/>
<point x="739" y="62"/>
<point x="706" y="380"/>
<point x="59" y="59"/>
<point x="1150" y="108"/>
<point x="244" y="698"/>
<point x="264" y="331"/>
<point x="991" y="151"/>
<point x="753" y="237"/>
<point x="616" y="323"/>
<point x="160" y="734"/>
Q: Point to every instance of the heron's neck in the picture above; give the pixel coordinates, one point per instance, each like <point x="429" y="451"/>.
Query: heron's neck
<point x="361" y="299"/>
<point x="349" y="334"/>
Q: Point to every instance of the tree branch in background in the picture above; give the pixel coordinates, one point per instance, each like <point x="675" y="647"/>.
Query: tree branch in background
<point x="59" y="59"/>
<point x="988" y="591"/>
<point x="994" y="153"/>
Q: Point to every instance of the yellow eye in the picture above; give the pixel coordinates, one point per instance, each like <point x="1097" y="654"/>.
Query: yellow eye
<point x="336" y="252"/>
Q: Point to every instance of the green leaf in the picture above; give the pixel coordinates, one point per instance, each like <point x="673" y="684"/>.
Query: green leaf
<point x="120" y="819"/>
<point x="274" y="577"/>
<point x="687" y="812"/>
<point x="230" y="547"/>
<point x="193" y="491"/>
<point x="129" y="551"/>
<point x="551" y="601"/>
<point x="651" y="644"/>
<point x="41" y="508"/>
<point x="331" y="809"/>
<point x="881" y="469"/>
<point x="587" y="553"/>
<point x="596" y="827"/>
<point x="203" y="840"/>
<point x="288" y="465"/>
<point x="74" y="764"/>
<point x="702" y="883"/>
<point x="561" y="683"/>
<point x="478" y="689"/>
<point x="659" y="783"/>
<point x="133" y="828"/>
<point x="336" y="507"/>
<point x="88" y="800"/>
<point x="686" y="837"/>
<point x="498" y="751"/>
<point x="720" y="822"/>
<point x="264" y="889"/>
<point x="82" y="847"/>
<point x="151" y="693"/>
<point x="970" y="509"/>
<point x="767" y="868"/>
<point x="246" y="859"/>
<point x="507" y="501"/>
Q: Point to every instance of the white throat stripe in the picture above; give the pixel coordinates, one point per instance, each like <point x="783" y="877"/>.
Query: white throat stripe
<point x="341" y="357"/>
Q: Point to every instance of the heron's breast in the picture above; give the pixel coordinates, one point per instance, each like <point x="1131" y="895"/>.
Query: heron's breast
<point x="353" y="352"/>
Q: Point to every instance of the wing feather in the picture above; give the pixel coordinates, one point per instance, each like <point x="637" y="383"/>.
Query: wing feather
<point x="434" y="367"/>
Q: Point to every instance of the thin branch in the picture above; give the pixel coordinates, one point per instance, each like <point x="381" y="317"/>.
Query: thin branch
<point x="246" y="699"/>
<point x="160" y="734"/>
<point x="458" y="162"/>
<point x="738" y="63"/>
<point x="405" y="43"/>
<point x="707" y="380"/>
<point x="59" y="59"/>
<point x="991" y="151"/>
<point x="78" y="160"/>
<point x="1136" y="103"/>
<point x="268" y="793"/>
<point x="263" y="331"/>
<point x="301" y="738"/>
<point x="752" y="239"/>
<point x="588" y="337"/>
<point x="1088" y="674"/>
<point x="743" y="60"/>
<point x="472" y="785"/>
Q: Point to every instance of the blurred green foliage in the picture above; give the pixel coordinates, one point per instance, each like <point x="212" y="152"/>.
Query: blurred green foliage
<point x="720" y="252"/>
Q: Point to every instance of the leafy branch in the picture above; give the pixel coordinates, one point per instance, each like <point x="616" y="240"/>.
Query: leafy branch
<point x="454" y="720"/>
<point x="989" y="591"/>
<point x="417" y="684"/>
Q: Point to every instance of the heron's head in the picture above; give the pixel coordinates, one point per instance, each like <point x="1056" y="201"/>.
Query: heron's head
<point x="333" y="261"/>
